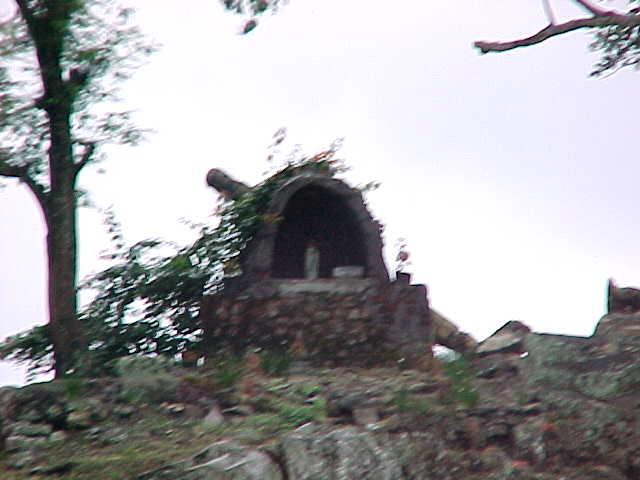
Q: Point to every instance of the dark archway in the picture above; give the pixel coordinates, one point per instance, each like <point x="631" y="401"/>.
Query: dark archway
<point x="316" y="215"/>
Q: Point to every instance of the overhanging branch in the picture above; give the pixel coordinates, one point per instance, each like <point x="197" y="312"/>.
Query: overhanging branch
<point x="21" y="172"/>
<point x="611" y="19"/>
<point x="8" y="170"/>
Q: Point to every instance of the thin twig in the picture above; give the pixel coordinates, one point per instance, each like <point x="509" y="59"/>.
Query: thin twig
<point x="87" y="155"/>
<point x="546" y="5"/>
<point x="595" y="10"/>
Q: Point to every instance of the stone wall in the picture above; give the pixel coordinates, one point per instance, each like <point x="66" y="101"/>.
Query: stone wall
<point x="328" y="322"/>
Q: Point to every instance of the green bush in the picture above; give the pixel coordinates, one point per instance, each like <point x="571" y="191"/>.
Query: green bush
<point x="228" y="370"/>
<point x="276" y="363"/>
<point x="75" y="387"/>
<point x="309" y="389"/>
<point x="147" y="301"/>
<point x="296" y="415"/>
<point x="460" y="373"/>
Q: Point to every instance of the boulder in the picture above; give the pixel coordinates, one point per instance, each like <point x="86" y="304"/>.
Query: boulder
<point x="311" y="453"/>
<point x="507" y="339"/>
<point x="619" y="332"/>
<point x="223" y="460"/>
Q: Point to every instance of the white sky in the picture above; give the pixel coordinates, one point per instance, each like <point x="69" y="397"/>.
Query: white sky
<point x="513" y="177"/>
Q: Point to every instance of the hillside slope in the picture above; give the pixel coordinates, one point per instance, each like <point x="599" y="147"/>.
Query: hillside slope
<point x="527" y="406"/>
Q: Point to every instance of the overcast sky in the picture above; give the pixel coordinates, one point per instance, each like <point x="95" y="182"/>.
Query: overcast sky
<point x="514" y="177"/>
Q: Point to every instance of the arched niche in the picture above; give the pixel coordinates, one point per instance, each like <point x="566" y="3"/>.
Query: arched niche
<point x="319" y="209"/>
<point x="316" y="216"/>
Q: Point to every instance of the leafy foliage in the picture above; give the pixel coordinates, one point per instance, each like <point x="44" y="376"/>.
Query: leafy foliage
<point x="616" y="32"/>
<point x="147" y="301"/>
<point x="229" y="369"/>
<point x="276" y="362"/>
<point x="252" y="9"/>
<point x="32" y="347"/>
<point x="296" y="415"/>
<point x="62" y="63"/>
<point x="100" y="47"/>
<point x="618" y="46"/>
<point x="460" y="374"/>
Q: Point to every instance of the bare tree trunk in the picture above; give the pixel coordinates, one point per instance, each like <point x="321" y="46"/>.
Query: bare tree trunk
<point x="66" y="331"/>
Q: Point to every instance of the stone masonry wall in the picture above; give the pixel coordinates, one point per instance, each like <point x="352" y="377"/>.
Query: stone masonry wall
<point x="328" y="322"/>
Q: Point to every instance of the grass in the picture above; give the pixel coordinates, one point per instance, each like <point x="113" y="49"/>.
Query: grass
<point x="407" y="403"/>
<point x="146" y="447"/>
<point x="296" y="415"/>
<point x="228" y="370"/>
<point x="152" y="437"/>
<point x="276" y="363"/>
<point x="460" y="373"/>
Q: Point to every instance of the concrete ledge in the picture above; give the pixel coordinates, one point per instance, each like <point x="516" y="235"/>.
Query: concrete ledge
<point x="322" y="285"/>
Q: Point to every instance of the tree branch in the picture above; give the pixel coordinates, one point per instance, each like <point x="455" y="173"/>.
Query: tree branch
<point x="548" y="11"/>
<point x="26" y="11"/>
<point x="609" y="20"/>
<point x="21" y="172"/>
<point x="87" y="155"/>
<point x="8" y="170"/>
<point x="594" y="9"/>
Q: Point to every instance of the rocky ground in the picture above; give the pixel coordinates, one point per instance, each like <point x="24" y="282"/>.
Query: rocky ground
<point x="528" y="406"/>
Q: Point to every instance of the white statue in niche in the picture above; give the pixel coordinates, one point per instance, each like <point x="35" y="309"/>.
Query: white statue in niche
<point x="311" y="261"/>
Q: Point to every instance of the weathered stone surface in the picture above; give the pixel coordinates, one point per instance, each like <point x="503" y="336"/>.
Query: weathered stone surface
<point x="140" y="385"/>
<point x="221" y="461"/>
<point x="15" y="443"/>
<point x="446" y="333"/>
<point x="624" y="300"/>
<point x="227" y="186"/>
<point x="346" y="453"/>
<point x="566" y="410"/>
<point x="530" y="441"/>
<point x="379" y="325"/>
<point x="214" y="417"/>
<point x="138" y="365"/>
<point x="28" y="429"/>
<point x="22" y="459"/>
<point x="7" y="399"/>
<point x="175" y="409"/>
<point x="553" y="361"/>
<point x="124" y="411"/>
<point x="317" y="207"/>
<point x="321" y="285"/>
<point x="620" y="332"/>
<point x="60" y="468"/>
<point x="300" y="275"/>
<point x="33" y="402"/>
<point x="365" y="415"/>
<point x="348" y="272"/>
<point x="508" y="338"/>
<point x="56" y="414"/>
<point x="79" y="419"/>
<point x="58" y="436"/>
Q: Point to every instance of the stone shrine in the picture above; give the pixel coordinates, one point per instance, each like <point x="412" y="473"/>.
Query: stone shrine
<point x="314" y="283"/>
